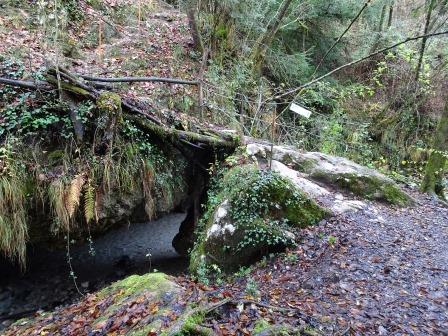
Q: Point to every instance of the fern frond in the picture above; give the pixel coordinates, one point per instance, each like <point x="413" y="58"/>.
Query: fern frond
<point x="89" y="202"/>
<point x="73" y="194"/>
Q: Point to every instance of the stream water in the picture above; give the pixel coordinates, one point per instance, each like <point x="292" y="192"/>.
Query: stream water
<point x="134" y="249"/>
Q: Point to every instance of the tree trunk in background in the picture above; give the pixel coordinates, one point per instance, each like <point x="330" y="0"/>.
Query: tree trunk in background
<point x="391" y="15"/>
<point x="191" y="15"/>
<point x="441" y="6"/>
<point x="435" y="168"/>
<point x="379" y="29"/>
<point x="423" y="46"/>
<point x="265" y="40"/>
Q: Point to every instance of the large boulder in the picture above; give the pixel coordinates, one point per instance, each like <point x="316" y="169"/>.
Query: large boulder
<point x="336" y="172"/>
<point x="250" y="213"/>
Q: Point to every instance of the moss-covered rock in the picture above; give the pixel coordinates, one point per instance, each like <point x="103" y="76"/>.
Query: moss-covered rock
<point x="156" y="283"/>
<point x="136" y="305"/>
<point x="336" y="171"/>
<point x="360" y="180"/>
<point x="250" y="213"/>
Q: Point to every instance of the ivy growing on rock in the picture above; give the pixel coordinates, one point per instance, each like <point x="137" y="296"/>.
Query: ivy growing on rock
<point x="249" y="213"/>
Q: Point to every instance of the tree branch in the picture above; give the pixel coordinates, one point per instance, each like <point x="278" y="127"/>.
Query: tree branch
<point x="31" y="85"/>
<point x="138" y="79"/>
<point x="342" y="35"/>
<point x="409" y="39"/>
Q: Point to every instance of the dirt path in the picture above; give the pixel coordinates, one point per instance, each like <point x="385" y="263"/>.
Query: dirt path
<point x="381" y="271"/>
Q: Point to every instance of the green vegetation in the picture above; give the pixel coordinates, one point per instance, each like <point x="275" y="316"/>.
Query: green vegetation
<point x="260" y="326"/>
<point x="362" y="112"/>
<point x="251" y="287"/>
<point x="80" y="179"/>
<point x="78" y="156"/>
<point x="13" y="214"/>
<point x="435" y="169"/>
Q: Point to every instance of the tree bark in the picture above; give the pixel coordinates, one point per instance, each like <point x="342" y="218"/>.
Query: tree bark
<point x="265" y="40"/>
<point x="192" y="23"/>
<point x="424" y="40"/>
<point x="78" y="126"/>
<point x="433" y="180"/>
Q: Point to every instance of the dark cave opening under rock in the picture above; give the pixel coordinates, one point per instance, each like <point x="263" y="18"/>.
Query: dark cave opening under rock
<point x="47" y="282"/>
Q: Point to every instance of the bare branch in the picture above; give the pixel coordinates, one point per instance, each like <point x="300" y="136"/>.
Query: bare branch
<point x="25" y="84"/>
<point x="342" y="35"/>
<point x="138" y="79"/>
<point x="409" y="39"/>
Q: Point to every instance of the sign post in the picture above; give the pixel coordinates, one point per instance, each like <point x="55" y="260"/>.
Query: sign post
<point x="294" y="108"/>
<point x="300" y="110"/>
<point x="274" y="117"/>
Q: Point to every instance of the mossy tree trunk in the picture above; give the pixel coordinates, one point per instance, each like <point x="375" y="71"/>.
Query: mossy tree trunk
<point x="379" y="29"/>
<point x="391" y="14"/>
<point x="192" y="23"/>
<point x="435" y="168"/>
<point x="111" y="116"/>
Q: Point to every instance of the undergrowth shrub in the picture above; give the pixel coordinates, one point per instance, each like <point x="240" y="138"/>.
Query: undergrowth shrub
<point x="13" y="204"/>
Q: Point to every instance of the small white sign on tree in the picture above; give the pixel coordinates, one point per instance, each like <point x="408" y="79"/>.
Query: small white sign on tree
<point x="300" y="110"/>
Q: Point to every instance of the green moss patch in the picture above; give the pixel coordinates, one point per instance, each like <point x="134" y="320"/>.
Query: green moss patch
<point x="369" y="187"/>
<point x="153" y="282"/>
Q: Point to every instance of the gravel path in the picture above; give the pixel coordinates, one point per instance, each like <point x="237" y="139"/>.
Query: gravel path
<point x="380" y="271"/>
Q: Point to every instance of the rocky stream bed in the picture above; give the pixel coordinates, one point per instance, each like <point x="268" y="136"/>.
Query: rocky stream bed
<point x="46" y="283"/>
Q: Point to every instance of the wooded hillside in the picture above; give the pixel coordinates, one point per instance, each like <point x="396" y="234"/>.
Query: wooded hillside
<point x="314" y="129"/>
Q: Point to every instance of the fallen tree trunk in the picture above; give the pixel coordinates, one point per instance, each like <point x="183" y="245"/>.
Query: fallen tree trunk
<point x="191" y="137"/>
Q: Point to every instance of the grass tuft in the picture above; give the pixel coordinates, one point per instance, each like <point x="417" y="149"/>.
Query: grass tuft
<point x="13" y="214"/>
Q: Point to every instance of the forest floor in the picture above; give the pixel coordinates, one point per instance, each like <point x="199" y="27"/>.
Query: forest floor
<point x="380" y="271"/>
<point x="112" y="43"/>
